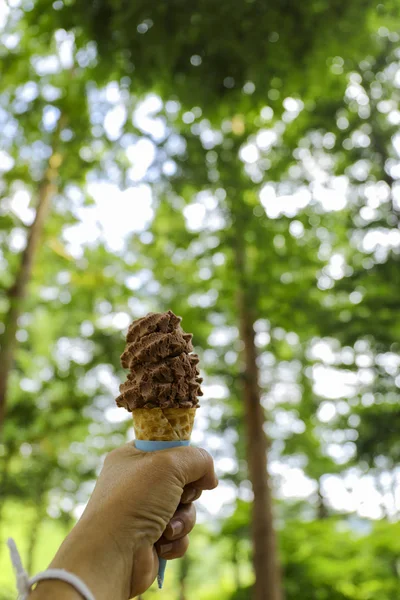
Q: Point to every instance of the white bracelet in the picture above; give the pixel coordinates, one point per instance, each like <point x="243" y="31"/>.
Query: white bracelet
<point x="25" y="583"/>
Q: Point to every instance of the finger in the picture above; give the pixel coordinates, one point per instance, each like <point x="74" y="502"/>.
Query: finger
<point x="147" y="565"/>
<point x="181" y="523"/>
<point x="188" y="464"/>
<point x="192" y="465"/>
<point x="170" y="550"/>
<point x="190" y="494"/>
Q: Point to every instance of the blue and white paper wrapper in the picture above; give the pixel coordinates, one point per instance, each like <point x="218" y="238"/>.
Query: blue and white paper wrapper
<point x="149" y="446"/>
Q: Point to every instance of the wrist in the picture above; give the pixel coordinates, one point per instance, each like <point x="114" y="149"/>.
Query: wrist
<point x="52" y="588"/>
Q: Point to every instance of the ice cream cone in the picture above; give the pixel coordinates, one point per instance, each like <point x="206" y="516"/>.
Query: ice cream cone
<point x="163" y="424"/>
<point x="162" y="387"/>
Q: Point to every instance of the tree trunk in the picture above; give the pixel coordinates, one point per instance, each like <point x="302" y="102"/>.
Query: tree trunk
<point x="382" y="491"/>
<point x="182" y="590"/>
<point x="4" y="471"/>
<point x="268" y="585"/>
<point x="393" y="490"/>
<point x="3" y="491"/>
<point x="322" y="510"/>
<point x="184" y="566"/>
<point x="17" y="292"/>
<point x="236" y="564"/>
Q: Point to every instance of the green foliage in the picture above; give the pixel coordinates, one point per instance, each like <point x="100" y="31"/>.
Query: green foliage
<point x="221" y="223"/>
<point x="332" y="561"/>
<point x="176" y="49"/>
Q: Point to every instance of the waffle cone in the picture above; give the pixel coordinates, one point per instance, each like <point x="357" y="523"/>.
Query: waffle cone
<point x="163" y="425"/>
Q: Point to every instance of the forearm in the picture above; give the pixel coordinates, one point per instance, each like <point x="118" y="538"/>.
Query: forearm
<point x="83" y="554"/>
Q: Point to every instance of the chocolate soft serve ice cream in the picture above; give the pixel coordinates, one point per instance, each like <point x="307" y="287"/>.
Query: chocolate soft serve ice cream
<point x="163" y="372"/>
<point x="163" y="383"/>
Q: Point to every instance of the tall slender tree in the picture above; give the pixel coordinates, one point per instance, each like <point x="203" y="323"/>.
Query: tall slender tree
<point x="47" y="188"/>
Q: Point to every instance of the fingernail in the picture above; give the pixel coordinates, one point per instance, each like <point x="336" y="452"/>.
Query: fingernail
<point x="165" y="548"/>
<point x="177" y="527"/>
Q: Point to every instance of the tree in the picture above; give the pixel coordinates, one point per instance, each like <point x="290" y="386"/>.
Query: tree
<point x="44" y="112"/>
<point x="251" y="276"/>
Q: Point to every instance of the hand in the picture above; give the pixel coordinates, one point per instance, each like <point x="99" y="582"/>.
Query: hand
<point x="141" y="506"/>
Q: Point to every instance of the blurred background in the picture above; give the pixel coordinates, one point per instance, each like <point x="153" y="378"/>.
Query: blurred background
<point x="239" y="163"/>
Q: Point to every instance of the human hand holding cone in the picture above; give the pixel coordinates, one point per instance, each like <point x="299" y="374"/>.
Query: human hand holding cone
<point x="163" y="385"/>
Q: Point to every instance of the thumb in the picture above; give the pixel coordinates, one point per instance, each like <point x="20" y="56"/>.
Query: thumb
<point x="193" y="465"/>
